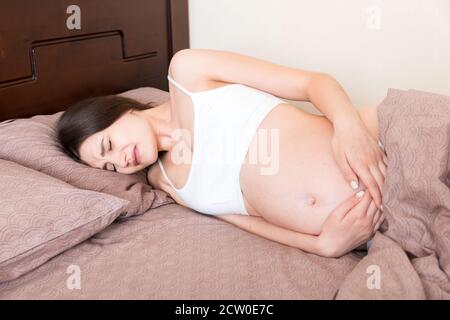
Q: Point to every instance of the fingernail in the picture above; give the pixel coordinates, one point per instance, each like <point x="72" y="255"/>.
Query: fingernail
<point x="354" y="184"/>
<point x="381" y="206"/>
<point x="360" y="194"/>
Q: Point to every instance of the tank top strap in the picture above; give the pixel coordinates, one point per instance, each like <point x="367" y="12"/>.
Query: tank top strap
<point x="180" y="87"/>
<point x="164" y="173"/>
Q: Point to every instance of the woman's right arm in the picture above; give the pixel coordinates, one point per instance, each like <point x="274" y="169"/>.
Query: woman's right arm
<point x="348" y="226"/>
<point x="261" y="227"/>
<point x="252" y="224"/>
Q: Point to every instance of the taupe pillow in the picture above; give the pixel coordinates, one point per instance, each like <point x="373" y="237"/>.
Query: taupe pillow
<point x="41" y="216"/>
<point x="32" y="143"/>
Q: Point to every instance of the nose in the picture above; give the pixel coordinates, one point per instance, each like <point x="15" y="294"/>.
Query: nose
<point x="120" y="160"/>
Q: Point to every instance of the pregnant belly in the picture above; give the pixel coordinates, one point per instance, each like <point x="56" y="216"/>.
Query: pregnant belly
<point x="295" y="182"/>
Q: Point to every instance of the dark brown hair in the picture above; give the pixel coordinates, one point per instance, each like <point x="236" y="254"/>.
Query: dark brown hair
<point x="89" y="116"/>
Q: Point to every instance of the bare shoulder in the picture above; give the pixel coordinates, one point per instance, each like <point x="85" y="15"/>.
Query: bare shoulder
<point x="191" y="79"/>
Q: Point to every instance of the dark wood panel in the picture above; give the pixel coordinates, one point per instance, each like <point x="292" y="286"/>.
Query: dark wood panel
<point x="179" y="15"/>
<point x="45" y="66"/>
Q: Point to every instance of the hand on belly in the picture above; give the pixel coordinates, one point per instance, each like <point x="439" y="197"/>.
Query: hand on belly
<point x="308" y="185"/>
<point x="302" y="211"/>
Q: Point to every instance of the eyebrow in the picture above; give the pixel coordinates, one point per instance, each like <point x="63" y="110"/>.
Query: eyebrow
<point x="102" y="152"/>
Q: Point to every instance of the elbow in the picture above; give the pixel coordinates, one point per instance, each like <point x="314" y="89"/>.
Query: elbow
<point x="316" y="81"/>
<point x="323" y="75"/>
<point x="319" y="77"/>
<point x="327" y="249"/>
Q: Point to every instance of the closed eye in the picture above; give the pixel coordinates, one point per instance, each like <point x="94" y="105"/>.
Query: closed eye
<point x="110" y="148"/>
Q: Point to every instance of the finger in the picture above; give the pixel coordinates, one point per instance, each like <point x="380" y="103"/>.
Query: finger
<point x="380" y="145"/>
<point x="372" y="211"/>
<point x="360" y="209"/>
<point x="349" y="203"/>
<point x="382" y="168"/>
<point x="379" y="222"/>
<point x="385" y="159"/>
<point x="382" y="162"/>
<point x="375" y="216"/>
<point x="347" y="171"/>
<point x="378" y="176"/>
<point x="383" y="152"/>
<point x="371" y="184"/>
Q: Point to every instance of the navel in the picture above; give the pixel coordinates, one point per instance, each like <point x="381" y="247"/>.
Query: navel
<point x="312" y="201"/>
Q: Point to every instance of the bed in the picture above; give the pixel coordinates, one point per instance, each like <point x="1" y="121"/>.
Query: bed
<point x="72" y="232"/>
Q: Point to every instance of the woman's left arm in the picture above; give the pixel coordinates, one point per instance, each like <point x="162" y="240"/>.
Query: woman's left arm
<point x="355" y="150"/>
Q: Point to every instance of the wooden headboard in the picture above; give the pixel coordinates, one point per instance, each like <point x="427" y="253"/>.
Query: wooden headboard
<point x="56" y="52"/>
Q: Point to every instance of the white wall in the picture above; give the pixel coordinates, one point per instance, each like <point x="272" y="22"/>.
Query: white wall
<point x="367" y="45"/>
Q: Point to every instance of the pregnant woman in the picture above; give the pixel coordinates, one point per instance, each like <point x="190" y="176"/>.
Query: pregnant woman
<point x="225" y="145"/>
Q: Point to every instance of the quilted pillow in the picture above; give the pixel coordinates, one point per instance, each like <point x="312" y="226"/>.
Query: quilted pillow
<point x="32" y="143"/>
<point x="41" y="216"/>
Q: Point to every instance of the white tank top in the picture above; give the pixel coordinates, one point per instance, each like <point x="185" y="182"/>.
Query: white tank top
<point x="225" y="121"/>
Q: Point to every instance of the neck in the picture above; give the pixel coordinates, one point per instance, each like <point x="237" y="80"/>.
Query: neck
<point x="162" y="123"/>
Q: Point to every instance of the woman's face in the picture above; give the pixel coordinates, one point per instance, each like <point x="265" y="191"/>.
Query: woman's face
<point x="130" y="138"/>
